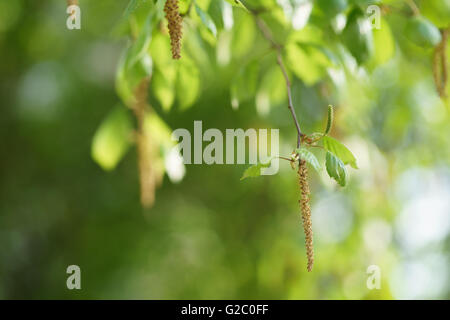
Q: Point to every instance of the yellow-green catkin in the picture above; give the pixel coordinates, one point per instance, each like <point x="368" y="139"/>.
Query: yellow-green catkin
<point x="175" y="26"/>
<point x="306" y="212"/>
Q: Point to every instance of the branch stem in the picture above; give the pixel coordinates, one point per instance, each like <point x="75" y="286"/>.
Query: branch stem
<point x="267" y="34"/>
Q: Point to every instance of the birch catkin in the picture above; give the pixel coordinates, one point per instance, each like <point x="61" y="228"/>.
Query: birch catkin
<point x="144" y="147"/>
<point x="306" y="212"/>
<point x="175" y="26"/>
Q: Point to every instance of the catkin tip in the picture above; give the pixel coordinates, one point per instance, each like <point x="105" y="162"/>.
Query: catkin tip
<point x="175" y="22"/>
<point x="306" y="212"/>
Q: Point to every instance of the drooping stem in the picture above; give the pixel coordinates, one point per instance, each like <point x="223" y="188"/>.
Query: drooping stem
<point x="302" y="168"/>
<point x="278" y="48"/>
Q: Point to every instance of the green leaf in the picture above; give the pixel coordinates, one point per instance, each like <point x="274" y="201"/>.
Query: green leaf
<point x="163" y="88"/>
<point x="188" y="83"/>
<point x="237" y="3"/>
<point x="332" y="7"/>
<point x="142" y="43"/>
<point x="329" y="119"/>
<point x="358" y="37"/>
<point x="123" y="87"/>
<point x="438" y="11"/>
<point x="308" y="62"/>
<point x="160" y="9"/>
<point x="336" y="169"/>
<point x="244" y="33"/>
<point x="132" y="6"/>
<point x="422" y="32"/>
<point x="255" y="170"/>
<point x="243" y="85"/>
<point x="207" y="21"/>
<point x="135" y="63"/>
<point x="216" y="14"/>
<point x="272" y="90"/>
<point x="112" y="138"/>
<point x="384" y="43"/>
<point x="309" y="157"/>
<point x="340" y="151"/>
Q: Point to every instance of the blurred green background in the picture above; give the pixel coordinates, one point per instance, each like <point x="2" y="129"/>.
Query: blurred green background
<point x="212" y="236"/>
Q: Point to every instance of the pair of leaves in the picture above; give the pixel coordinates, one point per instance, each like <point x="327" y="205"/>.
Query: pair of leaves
<point x="335" y="164"/>
<point x="173" y="80"/>
<point x="336" y="158"/>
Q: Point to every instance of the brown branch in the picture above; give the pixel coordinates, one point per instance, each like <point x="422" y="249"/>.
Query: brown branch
<point x="267" y="34"/>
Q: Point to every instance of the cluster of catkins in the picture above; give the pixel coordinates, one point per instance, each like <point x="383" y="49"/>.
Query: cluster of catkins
<point x="175" y="26"/>
<point x="306" y="212"/>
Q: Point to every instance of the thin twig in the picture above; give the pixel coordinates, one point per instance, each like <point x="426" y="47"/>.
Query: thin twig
<point x="278" y="48"/>
<point x="413" y="7"/>
<point x="284" y="158"/>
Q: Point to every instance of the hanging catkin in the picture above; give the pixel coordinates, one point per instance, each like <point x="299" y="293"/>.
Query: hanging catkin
<point x="144" y="147"/>
<point x="175" y="25"/>
<point x="306" y="212"/>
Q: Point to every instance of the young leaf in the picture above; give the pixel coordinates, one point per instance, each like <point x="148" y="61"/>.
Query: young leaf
<point x="135" y="63"/>
<point x="131" y="7"/>
<point x="422" y="32"/>
<point x="243" y="85"/>
<point x="188" y="83"/>
<point x="309" y="157"/>
<point x="140" y="47"/>
<point x="207" y="21"/>
<point x="340" y="151"/>
<point x="112" y="138"/>
<point x="237" y="3"/>
<point x="255" y="170"/>
<point x="330" y="119"/>
<point x="163" y="89"/>
<point x="336" y="168"/>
